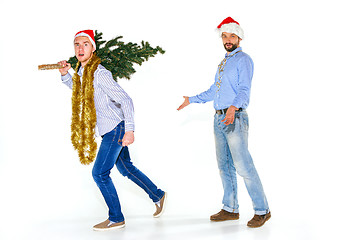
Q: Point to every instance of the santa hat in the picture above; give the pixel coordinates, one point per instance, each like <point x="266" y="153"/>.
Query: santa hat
<point x="229" y="25"/>
<point x="89" y="34"/>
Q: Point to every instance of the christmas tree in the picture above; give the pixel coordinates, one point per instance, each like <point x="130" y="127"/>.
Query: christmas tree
<point x="119" y="57"/>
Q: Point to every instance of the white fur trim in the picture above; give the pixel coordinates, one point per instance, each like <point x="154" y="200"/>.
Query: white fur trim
<point x="232" y="28"/>
<point x="82" y="34"/>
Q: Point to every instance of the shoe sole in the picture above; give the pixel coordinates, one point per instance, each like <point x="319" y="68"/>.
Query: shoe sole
<point x="223" y="220"/>
<point x="163" y="209"/>
<point x="108" y="229"/>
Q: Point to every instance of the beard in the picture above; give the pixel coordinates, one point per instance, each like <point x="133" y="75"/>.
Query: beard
<point x="230" y="48"/>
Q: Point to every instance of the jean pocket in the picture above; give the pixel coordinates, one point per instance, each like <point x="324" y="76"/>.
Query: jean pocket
<point x="244" y="121"/>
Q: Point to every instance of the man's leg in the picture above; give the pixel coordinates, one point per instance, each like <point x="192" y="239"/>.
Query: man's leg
<point x="227" y="173"/>
<point x="238" y="144"/>
<point x="127" y="169"/>
<point x="108" y="153"/>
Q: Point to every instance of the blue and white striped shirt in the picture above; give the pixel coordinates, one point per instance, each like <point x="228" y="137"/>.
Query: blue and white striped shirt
<point x="112" y="103"/>
<point x="232" y="82"/>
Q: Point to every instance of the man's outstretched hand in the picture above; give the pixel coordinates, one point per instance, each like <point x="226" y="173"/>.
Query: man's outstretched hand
<point x="184" y="104"/>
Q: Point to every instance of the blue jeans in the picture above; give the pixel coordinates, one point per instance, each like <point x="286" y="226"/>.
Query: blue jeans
<point x="112" y="153"/>
<point x="233" y="157"/>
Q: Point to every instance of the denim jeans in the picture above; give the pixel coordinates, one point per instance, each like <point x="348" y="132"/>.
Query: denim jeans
<point x="233" y="157"/>
<point x="112" y="153"/>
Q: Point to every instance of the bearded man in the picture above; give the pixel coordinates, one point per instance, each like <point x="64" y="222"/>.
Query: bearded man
<point x="230" y="93"/>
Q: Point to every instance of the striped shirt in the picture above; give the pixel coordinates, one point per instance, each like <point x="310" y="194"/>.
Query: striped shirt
<point x="112" y="103"/>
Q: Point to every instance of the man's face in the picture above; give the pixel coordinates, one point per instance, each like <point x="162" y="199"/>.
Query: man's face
<point x="231" y="41"/>
<point x="83" y="49"/>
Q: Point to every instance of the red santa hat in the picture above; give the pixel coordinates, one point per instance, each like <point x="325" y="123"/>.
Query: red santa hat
<point x="89" y="34"/>
<point x="229" y="25"/>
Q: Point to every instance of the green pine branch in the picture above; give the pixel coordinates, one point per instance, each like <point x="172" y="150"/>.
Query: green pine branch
<point x="119" y="57"/>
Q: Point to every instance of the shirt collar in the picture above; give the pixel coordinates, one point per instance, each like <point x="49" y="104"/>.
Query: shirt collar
<point x="233" y="52"/>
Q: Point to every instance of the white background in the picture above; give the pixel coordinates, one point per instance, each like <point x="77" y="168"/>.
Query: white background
<point x="304" y="119"/>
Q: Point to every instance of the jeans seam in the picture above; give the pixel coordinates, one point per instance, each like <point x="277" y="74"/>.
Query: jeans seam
<point x="232" y="182"/>
<point x="107" y="154"/>
<point x="122" y="162"/>
<point x="102" y="166"/>
<point x="119" y="141"/>
<point x="228" y="152"/>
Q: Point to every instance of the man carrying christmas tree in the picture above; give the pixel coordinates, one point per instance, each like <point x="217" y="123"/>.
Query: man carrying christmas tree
<point x="100" y="106"/>
<point x="230" y="93"/>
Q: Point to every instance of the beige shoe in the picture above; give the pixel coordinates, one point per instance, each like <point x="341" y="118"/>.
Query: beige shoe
<point x="258" y="220"/>
<point x="224" y="216"/>
<point x="106" y="225"/>
<point x="160" y="209"/>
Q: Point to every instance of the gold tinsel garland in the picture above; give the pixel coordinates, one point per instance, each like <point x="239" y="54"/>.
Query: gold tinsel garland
<point x="83" y="112"/>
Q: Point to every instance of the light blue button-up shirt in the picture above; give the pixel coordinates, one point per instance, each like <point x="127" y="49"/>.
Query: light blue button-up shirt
<point x="232" y="82"/>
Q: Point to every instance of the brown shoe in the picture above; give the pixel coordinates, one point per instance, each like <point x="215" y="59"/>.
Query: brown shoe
<point x="224" y="216"/>
<point x="258" y="220"/>
<point x="160" y="209"/>
<point x="106" y="225"/>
